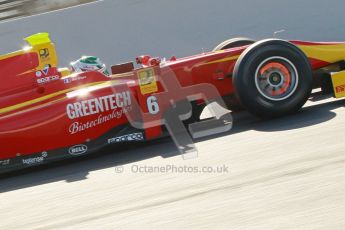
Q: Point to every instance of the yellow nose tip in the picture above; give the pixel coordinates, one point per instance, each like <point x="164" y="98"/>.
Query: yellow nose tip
<point x="37" y="39"/>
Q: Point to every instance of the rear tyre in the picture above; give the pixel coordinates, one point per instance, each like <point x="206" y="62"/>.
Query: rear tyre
<point x="233" y="43"/>
<point x="272" y="78"/>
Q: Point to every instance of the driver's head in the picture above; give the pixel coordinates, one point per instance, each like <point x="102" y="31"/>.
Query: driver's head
<point x="89" y="63"/>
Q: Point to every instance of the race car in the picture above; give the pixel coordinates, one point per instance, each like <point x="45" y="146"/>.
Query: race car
<point x="49" y="113"/>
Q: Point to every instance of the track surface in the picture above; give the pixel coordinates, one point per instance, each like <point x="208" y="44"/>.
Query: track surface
<point x="283" y="174"/>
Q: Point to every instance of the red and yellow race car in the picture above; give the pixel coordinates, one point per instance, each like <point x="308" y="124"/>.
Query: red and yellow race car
<point x="49" y="113"/>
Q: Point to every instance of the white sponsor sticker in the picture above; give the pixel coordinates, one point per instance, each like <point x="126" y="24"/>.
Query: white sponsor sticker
<point x="72" y="79"/>
<point x="44" y="80"/>
<point x="127" y="137"/>
<point x="77" y="126"/>
<point x="4" y="162"/>
<point x="77" y="150"/>
<point x="98" y="105"/>
<point x="35" y="160"/>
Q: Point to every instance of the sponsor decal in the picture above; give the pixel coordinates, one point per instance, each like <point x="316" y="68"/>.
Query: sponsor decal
<point x="43" y="76"/>
<point x="38" y="74"/>
<point x="47" y="79"/>
<point x="77" y="150"/>
<point x="72" y="79"/>
<point x="98" y="105"/>
<point x="127" y="137"/>
<point x="44" y="54"/>
<point x="340" y="88"/>
<point x="67" y="80"/>
<point x="4" y="162"/>
<point x="107" y="108"/>
<point x="147" y="81"/>
<point x="45" y="70"/>
<point x="77" y="126"/>
<point x="35" y="160"/>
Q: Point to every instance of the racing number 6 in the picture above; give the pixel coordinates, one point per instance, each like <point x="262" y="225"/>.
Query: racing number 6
<point x="152" y="105"/>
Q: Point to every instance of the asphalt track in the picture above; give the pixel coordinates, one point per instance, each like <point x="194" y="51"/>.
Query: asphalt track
<point x="286" y="173"/>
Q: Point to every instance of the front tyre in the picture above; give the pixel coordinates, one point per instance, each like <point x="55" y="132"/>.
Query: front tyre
<point x="272" y="78"/>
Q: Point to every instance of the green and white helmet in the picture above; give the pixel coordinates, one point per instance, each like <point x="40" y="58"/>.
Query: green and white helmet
<point x="89" y="63"/>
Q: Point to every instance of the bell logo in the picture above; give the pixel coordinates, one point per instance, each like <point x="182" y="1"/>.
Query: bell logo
<point x="77" y="150"/>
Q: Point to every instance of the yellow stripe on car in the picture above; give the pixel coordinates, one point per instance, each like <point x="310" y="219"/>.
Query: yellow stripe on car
<point x="223" y="60"/>
<point x="327" y="53"/>
<point x="47" y="97"/>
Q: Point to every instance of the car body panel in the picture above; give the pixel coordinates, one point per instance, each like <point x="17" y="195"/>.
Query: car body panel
<point x="47" y="115"/>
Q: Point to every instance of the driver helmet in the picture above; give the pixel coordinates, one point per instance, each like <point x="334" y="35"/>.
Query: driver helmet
<point x="89" y="63"/>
